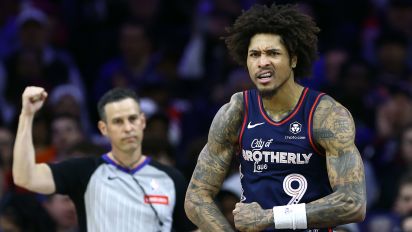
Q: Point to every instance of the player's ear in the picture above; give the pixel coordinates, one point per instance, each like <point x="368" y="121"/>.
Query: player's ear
<point x="293" y="61"/>
<point x="102" y="127"/>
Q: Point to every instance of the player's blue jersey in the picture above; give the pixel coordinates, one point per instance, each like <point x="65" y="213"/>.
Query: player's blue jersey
<point x="279" y="162"/>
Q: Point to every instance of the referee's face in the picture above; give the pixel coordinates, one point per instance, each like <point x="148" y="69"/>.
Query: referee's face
<point x="124" y="125"/>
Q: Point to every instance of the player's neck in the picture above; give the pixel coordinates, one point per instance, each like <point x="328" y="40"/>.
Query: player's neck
<point x="285" y="99"/>
<point x="126" y="160"/>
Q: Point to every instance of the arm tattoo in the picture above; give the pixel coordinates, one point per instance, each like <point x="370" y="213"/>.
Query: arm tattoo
<point x="212" y="167"/>
<point x="334" y="130"/>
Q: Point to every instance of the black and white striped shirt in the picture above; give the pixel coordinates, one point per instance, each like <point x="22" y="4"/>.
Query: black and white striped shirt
<point x="109" y="197"/>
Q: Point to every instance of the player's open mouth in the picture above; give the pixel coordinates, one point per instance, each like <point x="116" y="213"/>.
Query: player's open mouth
<point x="265" y="76"/>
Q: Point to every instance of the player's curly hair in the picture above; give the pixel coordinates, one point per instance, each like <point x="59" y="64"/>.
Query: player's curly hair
<point x="298" y="33"/>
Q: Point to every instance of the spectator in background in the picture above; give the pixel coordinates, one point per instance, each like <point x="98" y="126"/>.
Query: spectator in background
<point x="390" y="220"/>
<point x="406" y="223"/>
<point x="392" y="59"/>
<point x="353" y="84"/>
<point x="144" y="11"/>
<point x="35" y="61"/>
<point x="61" y="208"/>
<point x="392" y="116"/>
<point x="401" y="164"/>
<point x="8" y="27"/>
<point x="86" y="148"/>
<point x="23" y="213"/>
<point x="6" y="149"/>
<point x="65" y="131"/>
<point x="157" y="127"/>
<point x="134" y="67"/>
<point x="398" y="17"/>
<point x="403" y="203"/>
<point x="160" y="150"/>
<point x="161" y="138"/>
<point x="204" y="57"/>
<point x="383" y="222"/>
<point x="237" y="81"/>
<point x="69" y="99"/>
<point x="326" y="69"/>
<point x="42" y="135"/>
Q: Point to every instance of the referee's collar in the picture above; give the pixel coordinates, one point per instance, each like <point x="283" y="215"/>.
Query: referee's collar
<point x="108" y="160"/>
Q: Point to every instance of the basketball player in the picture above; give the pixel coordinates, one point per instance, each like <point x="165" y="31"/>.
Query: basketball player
<point x="299" y="167"/>
<point x="123" y="190"/>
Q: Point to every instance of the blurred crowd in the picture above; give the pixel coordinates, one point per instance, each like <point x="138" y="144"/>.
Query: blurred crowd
<point x="172" y="54"/>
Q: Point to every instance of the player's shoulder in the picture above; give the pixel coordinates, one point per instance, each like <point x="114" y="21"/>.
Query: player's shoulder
<point x="327" y="102"/>
<point x="236" y="99"/>
<point x="327" y="108"/>
<point x="235" y="104"/>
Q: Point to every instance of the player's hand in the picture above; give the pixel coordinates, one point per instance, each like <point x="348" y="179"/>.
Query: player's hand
<point x="32" y="100"/>
<point x="251" y="217"/>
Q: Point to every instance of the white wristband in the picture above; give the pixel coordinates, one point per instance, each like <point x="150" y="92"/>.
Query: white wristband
<point x="290" y="217"/>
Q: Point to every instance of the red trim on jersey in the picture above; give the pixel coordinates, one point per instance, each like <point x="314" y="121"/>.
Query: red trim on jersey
<point x="330" y="230"/>
<point x="283" y="121"/>
<point x="245" y="98"/>
<point x="156" y="199"/>
<point x="310" y="124"/>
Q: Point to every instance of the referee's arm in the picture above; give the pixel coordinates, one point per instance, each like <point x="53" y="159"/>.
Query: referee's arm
<point x="26" y="173"/>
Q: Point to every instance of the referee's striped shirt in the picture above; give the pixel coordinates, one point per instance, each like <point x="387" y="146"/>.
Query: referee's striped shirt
<point x="109" y="197"/>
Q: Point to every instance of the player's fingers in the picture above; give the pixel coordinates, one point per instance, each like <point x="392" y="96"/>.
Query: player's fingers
<point x="239" y="204"/>
<point x="237" y="207"/>
<point x="235" y="211"/>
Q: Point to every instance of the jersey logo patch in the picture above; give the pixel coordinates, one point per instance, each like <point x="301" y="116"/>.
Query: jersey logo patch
<point x="156" y="199"/>
<point x="295" y="127"/>
<point x="250" y="125"/>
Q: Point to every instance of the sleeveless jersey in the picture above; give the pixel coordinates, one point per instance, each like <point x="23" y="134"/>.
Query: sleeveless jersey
<point x="279" y="161"/>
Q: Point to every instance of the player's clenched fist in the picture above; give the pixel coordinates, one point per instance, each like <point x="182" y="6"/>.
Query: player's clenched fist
<point x="251" y="217"/>
<point x="33" y="99"/>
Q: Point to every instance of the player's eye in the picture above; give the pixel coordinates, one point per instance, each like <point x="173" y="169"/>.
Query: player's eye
<point x="254" y="54"/>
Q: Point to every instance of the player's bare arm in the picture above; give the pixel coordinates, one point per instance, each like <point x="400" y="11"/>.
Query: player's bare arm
<point x="334" y="130"/>
<point x="26" y="173"/>
<point x="212" y="167"/>
<point x="251" y="217"/>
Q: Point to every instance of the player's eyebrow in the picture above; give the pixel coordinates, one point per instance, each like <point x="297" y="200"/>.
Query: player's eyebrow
<point x="265" y="50"/>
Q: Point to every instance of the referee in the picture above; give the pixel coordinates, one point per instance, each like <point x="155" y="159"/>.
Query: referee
<point x="123" y="190"/>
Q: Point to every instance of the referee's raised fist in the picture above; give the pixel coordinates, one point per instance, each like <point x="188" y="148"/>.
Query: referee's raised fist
<point x="33" y="99"/>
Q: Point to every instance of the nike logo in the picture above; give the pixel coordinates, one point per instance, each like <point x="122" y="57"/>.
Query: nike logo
<point x="250" y="126"/>
<point x="112" y="177"/>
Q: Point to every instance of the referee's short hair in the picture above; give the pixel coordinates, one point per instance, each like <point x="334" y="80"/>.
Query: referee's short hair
<point x="114" y="95"/>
